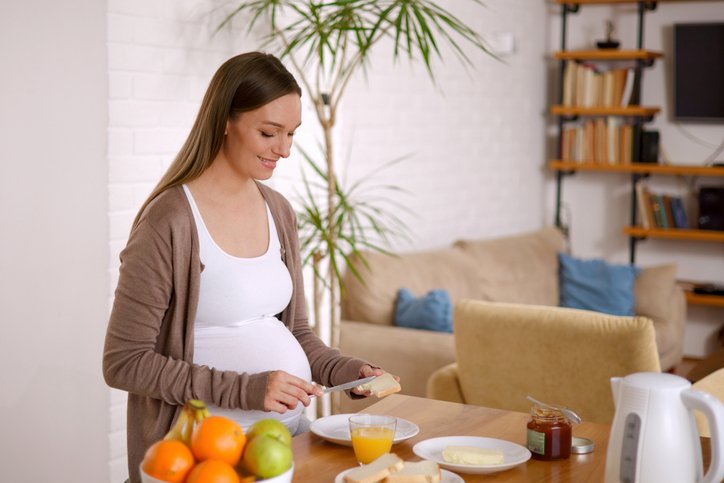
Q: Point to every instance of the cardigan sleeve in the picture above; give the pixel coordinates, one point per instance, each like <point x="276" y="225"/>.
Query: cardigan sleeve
<point x="146" y="343"/>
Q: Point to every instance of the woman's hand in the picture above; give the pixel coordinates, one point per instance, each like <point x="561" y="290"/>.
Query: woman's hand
<point x="366" y="371"/>
<point x="284" y="391"/>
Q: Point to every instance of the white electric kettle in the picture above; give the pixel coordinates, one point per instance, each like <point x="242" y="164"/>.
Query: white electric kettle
<point x="654" y="436"/>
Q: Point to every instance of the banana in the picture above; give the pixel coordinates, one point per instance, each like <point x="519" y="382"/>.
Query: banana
<point x="193" y="412"/>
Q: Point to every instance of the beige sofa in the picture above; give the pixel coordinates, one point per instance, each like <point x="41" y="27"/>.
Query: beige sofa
<point x="517" y="269"/>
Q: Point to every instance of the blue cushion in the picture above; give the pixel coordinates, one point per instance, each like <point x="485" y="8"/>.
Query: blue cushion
<point x="433" y="311"/>
<point x="597" y="285"/>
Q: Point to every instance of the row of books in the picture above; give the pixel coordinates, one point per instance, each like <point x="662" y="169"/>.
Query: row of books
<point x="585" y="85"/>
<point x="659" y="210"/>
<point x="608" y="140"/>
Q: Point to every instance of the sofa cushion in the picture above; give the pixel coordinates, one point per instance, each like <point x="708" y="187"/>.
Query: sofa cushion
<point x="597" y="285"/>
<point x="432" y="311"/>
<point x="372" y="299"/>
<point x="654" y="291"/>
<point x="521" y="269"/>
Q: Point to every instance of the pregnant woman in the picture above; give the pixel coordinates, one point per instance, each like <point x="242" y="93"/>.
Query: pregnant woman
<point x="210" y="300"/>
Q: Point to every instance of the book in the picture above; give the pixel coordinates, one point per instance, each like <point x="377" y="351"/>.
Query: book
<point x="666" y="201"/>
<point x="568" y="140"/>
<point x="643" y="202"/>
<point x="613" y="139"/>
<point x="589" y="147"/>
<point x="626" y="144"/>
<point x="678" y="213"/>
<point x="607" y="91"/>
<point x="628" y="88"/>
<point x="633" y="98"/>
<point x="569" y="83"/>
<point x="657" y="207"/>
<point x="619" y="82"/>
<point x="600" y="141"/>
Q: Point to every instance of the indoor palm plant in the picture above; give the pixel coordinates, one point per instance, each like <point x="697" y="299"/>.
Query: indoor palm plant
<point x="327" y="43"/>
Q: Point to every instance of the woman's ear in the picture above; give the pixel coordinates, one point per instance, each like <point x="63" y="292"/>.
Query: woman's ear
<point x="226" y="128"/>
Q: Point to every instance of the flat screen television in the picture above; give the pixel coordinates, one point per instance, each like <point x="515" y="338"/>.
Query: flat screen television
<point x="699" y="72"/>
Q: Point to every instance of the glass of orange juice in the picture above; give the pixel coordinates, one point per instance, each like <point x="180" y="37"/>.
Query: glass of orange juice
<point x="372" y="435"/>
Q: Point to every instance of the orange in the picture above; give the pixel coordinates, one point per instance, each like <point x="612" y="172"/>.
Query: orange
<point x="218" y="438"/>
<point x="168" y="460"/>
<point x="212" y="471"/>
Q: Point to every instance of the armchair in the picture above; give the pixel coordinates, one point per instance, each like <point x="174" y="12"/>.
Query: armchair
<point x="558" y="355"/>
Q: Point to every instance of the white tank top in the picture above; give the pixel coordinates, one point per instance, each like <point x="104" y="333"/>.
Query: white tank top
<point x="236" y="328"/>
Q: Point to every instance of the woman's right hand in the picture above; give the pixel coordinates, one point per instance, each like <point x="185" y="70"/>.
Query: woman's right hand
<point x="284" y="391"/>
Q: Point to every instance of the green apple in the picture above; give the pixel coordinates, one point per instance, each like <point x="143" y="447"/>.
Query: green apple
<point x="270" y="427"/>
<point x="266" y="456"/>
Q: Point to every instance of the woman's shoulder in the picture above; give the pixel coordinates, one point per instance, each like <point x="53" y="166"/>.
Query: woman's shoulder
<point x="170" y="209"/>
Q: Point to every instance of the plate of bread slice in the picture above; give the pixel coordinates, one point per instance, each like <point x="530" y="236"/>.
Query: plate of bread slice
<point x="472" y="454"/>
<point x="389" y="468"/>
<point x="335" y="429"/>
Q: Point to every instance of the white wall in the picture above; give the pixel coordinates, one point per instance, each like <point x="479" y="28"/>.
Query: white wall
<point x="53" y="247"/>
<point x="599" y="204"/>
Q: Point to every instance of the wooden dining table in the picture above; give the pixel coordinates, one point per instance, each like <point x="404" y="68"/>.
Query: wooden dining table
<point x="317" y="460"/>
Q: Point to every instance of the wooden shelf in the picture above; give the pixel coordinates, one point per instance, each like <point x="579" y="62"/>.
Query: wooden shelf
<point x="643" y="168"/>
<point x="635" y="111"/>
<point x="699" y="299"/>
<point x="675" y="234"/>
<point x="607" y="54"/>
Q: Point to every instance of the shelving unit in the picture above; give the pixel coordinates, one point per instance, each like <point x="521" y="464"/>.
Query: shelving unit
<point x="638" y="115"/>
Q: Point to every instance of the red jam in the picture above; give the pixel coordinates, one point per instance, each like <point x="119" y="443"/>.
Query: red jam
<point x="549" y="434"/>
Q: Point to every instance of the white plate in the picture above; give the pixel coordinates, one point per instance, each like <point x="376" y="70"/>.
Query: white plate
<point x="445" y="477"/>
<point x="431" y="449"/>
<point x="335" y="429"/>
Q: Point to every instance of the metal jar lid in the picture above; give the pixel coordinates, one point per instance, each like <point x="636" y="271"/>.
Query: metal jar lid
<point x="581" y="445"/>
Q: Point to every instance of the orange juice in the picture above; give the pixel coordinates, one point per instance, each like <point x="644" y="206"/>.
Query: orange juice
<point x="371" y="442"/>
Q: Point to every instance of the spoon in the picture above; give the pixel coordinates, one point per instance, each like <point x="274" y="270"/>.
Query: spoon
<point x="569" y="414"/>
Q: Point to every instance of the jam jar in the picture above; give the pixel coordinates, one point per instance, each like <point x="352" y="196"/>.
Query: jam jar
<point x="549" y="434"/>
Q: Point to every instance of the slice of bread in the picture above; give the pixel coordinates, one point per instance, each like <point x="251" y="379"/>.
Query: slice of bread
<point x="472" y="455"/>
<point x="375" y="471"/>
<point x="421" y="472"/>
<point x="381" y="386"/>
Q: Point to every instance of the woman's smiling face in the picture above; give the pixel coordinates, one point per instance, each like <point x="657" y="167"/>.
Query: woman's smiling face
<point x="255" y="140"/>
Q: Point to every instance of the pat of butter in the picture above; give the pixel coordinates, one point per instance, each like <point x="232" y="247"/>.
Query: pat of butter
<point x="471" y="455"/>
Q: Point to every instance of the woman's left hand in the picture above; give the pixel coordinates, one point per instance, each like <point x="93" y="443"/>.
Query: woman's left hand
<point x="367" y="371"/>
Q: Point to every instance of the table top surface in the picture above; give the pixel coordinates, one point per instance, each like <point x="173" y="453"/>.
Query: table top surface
<point x="318" y="460"/>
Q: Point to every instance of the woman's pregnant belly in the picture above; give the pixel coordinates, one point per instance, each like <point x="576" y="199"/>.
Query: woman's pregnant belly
<point x="259" y="345"/>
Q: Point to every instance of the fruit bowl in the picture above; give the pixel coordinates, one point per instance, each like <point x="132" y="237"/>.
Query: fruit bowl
<point x="285" y="477"/>
<point x="149" y="479"/>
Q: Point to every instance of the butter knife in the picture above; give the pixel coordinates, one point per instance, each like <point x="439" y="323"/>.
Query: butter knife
<point x="348" y="385"/>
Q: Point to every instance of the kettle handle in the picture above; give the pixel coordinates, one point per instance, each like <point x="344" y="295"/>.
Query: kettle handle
<point x="713" y="409"/>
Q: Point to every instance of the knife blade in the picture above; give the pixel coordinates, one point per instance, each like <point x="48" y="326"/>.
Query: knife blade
<point x="348" y="385"/>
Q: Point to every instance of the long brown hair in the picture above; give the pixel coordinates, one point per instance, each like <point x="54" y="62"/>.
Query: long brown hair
<point x="243" y="83"/>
